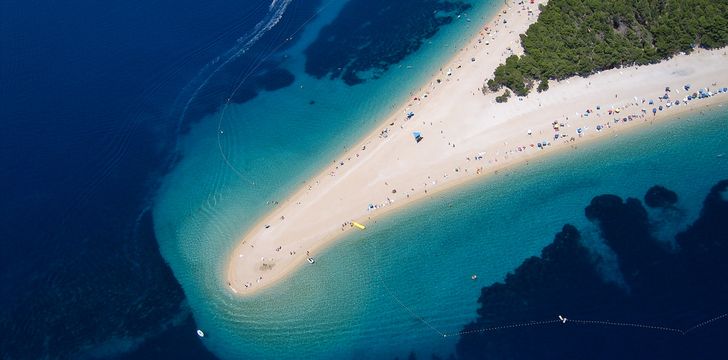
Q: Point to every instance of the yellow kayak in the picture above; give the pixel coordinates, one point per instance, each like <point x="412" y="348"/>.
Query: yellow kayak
<point x="360" y="226"/>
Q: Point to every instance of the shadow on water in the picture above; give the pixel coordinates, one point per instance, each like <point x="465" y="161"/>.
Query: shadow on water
<point x="560" y="306"/>
<point x="673" y="307"/>
<point x="354" y="45"/>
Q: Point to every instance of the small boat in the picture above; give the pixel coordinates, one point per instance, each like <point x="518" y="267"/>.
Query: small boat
<point x="311" y="260"/>
<point x="473" y="277"/>
<point x="200" y="333"/>
<point x="358" y="226"/>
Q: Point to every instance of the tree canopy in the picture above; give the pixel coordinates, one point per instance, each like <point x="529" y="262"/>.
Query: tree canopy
<point x="580" y="37"/>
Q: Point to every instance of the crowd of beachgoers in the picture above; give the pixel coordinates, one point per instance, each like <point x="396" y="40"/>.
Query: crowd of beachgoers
<point x="570" y="128"/>
<point x="449" y="131"/>
<point x="565" y="130"/>
<point x="489" y="33"/>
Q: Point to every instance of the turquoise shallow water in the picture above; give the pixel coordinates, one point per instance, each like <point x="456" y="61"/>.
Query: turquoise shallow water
<point x="405" y="281"/>
<point x="267" y="147"/>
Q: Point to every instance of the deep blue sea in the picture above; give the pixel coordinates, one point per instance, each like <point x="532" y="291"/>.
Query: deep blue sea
<point x="88" y="95"/>
<point x="139" y="139"/>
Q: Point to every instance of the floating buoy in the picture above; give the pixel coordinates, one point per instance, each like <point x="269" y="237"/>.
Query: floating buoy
<point x="200" y="333"/>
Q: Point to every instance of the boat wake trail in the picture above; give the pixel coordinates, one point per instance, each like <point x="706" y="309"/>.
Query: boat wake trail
<point x="276" y="9"/>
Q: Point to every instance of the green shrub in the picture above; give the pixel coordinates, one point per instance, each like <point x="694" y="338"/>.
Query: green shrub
<point x="503" y="97"/>
<point x="543" y="85"/>
<point x="581" y="37"/>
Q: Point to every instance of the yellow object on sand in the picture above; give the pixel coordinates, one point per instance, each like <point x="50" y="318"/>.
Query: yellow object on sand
<point x="360" y="226"/>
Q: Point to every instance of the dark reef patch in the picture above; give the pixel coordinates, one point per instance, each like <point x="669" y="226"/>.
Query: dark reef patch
<point x="229" y="85"/>
<point x="82" y="303"/>
<point x="676" y="290"/>
<point x="371" y="35"/>
<point x="259" y="68"/>
<point x="275" y="79"/>
<point x="660" y="197"/>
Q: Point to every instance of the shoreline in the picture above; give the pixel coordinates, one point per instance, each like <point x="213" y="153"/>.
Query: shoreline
<point x="350" y="149"/>
<point x="294" y="226"/>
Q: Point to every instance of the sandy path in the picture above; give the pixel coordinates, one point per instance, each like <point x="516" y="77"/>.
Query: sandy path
<point x="465" y="135"/>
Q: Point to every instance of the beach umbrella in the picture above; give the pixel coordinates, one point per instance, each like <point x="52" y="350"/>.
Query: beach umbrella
<point x="654" y="110"/>
<point x="417" y="135"/>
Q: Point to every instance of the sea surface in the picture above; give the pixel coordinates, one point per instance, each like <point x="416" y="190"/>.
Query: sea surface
<point x="140" y="139"/>
<point x="90" y="95"/>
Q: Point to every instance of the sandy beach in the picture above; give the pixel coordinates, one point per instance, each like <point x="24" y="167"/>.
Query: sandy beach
<point x="466" y="135"/>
